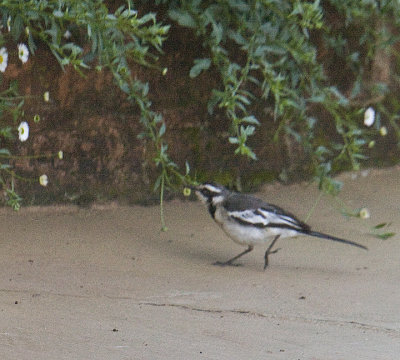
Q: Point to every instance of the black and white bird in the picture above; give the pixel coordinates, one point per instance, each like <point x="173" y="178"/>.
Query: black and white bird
<point x="250" y="221"/>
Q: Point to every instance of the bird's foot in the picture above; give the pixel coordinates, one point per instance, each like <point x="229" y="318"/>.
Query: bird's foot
<point x="266" y="256"/>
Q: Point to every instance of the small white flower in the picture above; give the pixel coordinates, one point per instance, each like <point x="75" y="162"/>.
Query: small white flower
<point x="43" y="180"/>
<point x="364" y="213"/>
<point x="383" y="131"/>
<point x="23" y="53"/>
<point x="60" y="155"/>
<point x="369" y="117"/>
<point x="46" y="96"/>
<point x="9" y="24"/>
<point x="23" y="131"/>
<point x="3" y="59"/>
<point x="67" y="34"/>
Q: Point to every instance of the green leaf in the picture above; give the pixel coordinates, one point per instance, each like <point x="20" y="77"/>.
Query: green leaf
<point x="162" y="129"/>
<point x="237" y="37"/>
<point x="248" y="130"/>
<point x="199" y="66"/>
<point x="183" y="18"/>
<point x="381" y="225"/>
<point x="4" y="152"/>
<point x="157" y="183"/>
<point x="217" y="32"/>
<point x="58" y="13"/>
<point x="251" y="120"/>
<point x="321" y="151"/>
<point x="385" y="236"/>
<point x="242" y="6"/>
<point x="330" y="186"/>
<point x="342" y="100"/>
<point x="17" y="27"/>
<point x="243" y="99"/>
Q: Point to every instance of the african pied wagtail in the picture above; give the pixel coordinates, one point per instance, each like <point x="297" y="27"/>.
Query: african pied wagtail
<point x="250" y="221"/>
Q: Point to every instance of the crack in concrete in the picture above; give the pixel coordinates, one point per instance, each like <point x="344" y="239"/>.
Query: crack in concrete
<point x="333" y="322"/>
<point x="356" y="324"/>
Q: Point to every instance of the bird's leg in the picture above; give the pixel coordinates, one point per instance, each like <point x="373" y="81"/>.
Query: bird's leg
<point x="268" y="252"/>
<point x="230" y="261"/>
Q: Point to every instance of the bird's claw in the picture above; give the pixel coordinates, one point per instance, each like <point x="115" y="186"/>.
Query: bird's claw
<point x="274" y="252"/>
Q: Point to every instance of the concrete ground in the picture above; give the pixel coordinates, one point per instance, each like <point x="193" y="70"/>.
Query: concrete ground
<point x="105" y="283"/>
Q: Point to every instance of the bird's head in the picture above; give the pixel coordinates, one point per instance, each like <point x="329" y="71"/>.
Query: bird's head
<point x="211" y="193"/>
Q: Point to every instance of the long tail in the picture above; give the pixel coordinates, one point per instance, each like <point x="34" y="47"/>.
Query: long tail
<point x="330" y="237"/>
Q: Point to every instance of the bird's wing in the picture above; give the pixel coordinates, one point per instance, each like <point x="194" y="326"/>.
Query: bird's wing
<point x="280" y="219"/>
<point x="249" y="217"/>
<point x="249" y="210"/>
<point x="266" y="218"/>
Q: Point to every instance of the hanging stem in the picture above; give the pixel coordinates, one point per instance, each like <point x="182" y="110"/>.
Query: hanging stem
<point x="162" y="218"/>
<point x="314" y="206"/>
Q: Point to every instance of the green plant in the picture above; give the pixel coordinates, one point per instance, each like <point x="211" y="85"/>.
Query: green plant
<point x="115" y="39"/>
<point x="379" y="231"/>
<point x="10" y="106"/>
<point x="269" y="51"/>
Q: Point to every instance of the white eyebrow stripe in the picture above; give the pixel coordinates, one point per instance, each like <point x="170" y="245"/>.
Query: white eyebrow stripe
<point x="212" y="188"/>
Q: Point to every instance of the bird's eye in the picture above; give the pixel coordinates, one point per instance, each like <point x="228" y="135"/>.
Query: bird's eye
<point x="209" y="191"/>
<point x="206" y="192"/>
